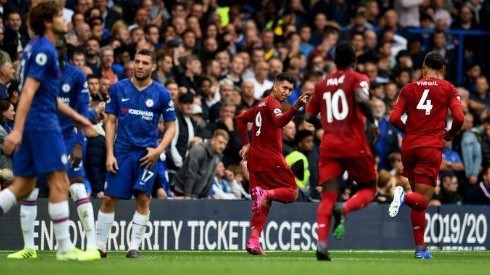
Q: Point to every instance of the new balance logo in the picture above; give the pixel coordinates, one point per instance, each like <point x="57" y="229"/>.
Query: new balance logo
<point x="125" y="99"/>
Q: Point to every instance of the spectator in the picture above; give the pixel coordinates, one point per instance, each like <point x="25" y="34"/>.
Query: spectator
<point x="14" y="40"/>
<point x="226" y="121"/>
<point x="6" y="75"/>
<point x="449" y="188"/>
<point x="299" y="163"/>
<point x="389" y="137"/>
<point x="222" y="182"/>
<point x="194" y="179"/>
<point x="471" y="153"/>
<point x="7" y="114"/>
<point x="480" y="193"/>
<point x="184" y="132"/>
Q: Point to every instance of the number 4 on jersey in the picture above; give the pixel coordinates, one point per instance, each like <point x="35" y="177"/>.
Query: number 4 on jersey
<point x="424" y="103"/>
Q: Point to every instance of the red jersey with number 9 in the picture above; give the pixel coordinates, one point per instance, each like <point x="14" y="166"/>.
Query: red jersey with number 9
<point x="426" y="104"/>
<point x="265" y="152"/>
<point x="342" y="121"/>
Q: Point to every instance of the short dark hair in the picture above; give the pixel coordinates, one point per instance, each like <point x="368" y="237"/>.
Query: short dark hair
<point x="44" y="11"/>
<point x="345" y="55"/>
<point x="434" y="60"/>
<point x="285" y="77"/>
<point x="148" y="53"/>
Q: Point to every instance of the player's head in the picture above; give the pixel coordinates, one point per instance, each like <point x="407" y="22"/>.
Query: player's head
<point x="45" y="15"/>
<point x="345" y="55"/>
<point x="434" y="61"/>
<point x="219" y="141"/>
<point x="283" y="86"/>
<point x="144" y="64"/>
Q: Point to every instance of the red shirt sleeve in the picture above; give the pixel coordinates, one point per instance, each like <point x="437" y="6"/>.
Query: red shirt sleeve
<point x="398" y="111"/>
<point x="280" y="119"/>
<point x="241" y="124"/>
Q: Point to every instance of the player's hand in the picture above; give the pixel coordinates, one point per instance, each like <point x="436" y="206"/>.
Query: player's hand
<point x="85" y="125"/>
<point x="111" y="164"/>
<point x="302" y="100"/>
<point x="76" y="155"/>
<point x="150" y="158"/>
<point x="100" y="195"/>
<point x="244" y="151"/>
<point x="12" y="142"/>
<point x="447" y="136"/>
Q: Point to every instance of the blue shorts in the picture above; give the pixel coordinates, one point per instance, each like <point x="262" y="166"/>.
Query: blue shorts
<point x="131" y="177"/>
<point x="70" y="142"/>
<point x="40" y="153"/>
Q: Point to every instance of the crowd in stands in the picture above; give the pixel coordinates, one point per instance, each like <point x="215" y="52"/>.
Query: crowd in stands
<point x="218" y="58"/>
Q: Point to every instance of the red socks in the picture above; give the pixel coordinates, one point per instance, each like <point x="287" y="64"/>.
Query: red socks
<point x="258" y="222"/>
<point x="418" y="226"/>
<point x="417" y="215"/>
<point x="324" y="214"/>
<point x="284" y="195"/>
<point x="416" y="201"/>
<point x="360" y="200"/>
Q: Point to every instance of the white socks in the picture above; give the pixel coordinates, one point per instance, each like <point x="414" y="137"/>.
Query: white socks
<point x="85" y="212"/>
<point x="138" y="229"/>
<point x="60" y="216"/>
<point x="7" y="200"/>
<point x="104" y="224"/>
<point x="28" y="213"/>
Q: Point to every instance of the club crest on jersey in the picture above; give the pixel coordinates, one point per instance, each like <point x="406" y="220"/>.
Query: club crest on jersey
<point x="149" y="103"/>
<point x="41" y="59"/>
<point x="65" y="87"/>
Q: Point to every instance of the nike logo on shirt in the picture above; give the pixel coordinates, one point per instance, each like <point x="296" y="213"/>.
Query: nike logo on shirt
<point x="125" y="99"/>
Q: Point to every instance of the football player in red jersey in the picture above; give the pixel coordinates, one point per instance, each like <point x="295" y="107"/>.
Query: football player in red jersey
<point x="342" y="99"/>
<point x="425" y="103"/>
<point x="271" y="179"/>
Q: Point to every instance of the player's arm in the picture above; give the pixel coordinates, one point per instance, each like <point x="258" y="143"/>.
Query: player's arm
<point x="110" y="134"/>
<point x="83" y="122"/>
<point x="397" y="112"/>
<point x="170" y="127"/>
<point x="458" y="119"/>
<point x="241" y="125"/>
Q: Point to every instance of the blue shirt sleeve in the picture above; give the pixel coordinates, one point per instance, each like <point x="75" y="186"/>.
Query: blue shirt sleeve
<point x="111" y="106"/>
<point x="42" y="63"/>
<point x="168" y="111"/>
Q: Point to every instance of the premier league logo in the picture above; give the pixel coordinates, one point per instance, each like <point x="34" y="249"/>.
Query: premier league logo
<point x="149" y="103"/>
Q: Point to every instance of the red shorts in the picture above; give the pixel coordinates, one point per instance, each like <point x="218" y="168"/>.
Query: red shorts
<point x="280" y="177"/>
<point x="361" y="169"/>
<point x="422" y="165"/>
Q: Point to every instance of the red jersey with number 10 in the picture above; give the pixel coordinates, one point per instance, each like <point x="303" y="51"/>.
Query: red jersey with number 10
<point x="343" y="122"/>
<point x="426" y="104"/>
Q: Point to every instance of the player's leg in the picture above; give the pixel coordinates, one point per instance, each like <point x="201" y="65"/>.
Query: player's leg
<point x="419" y="201"/>
<point x="119" y="186"/>
<point x="140" y="219"/>
<point x="85" y="212"/>
<point x="142" y="188"/>
<point x="28" y="213"/>
<point x="260" y="212"/>
<point x="19" y="190"/>
<point x="363" y="171"/>
<point x="283" y="186"/>
<point x="330" y="172"/>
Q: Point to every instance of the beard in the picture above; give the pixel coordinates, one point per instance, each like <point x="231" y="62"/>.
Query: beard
<point x="141" y="77"/>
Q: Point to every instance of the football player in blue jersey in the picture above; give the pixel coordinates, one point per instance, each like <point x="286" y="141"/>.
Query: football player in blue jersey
<point x="36" y="138"/>
<point x="73" y="92"/>
<point x="135" y="106"/>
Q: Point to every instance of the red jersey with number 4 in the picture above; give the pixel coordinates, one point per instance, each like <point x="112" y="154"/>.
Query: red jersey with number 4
<point x="426" y="104"/>
<point x="343" y="122"/>
<point x="265" y="151"/>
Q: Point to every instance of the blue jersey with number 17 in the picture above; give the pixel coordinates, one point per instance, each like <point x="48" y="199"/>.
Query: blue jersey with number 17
<point x="40" y="61"/>
<point x="138" y="113"/>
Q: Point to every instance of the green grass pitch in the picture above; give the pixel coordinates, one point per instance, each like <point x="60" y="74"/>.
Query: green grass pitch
<point x="239" y="262"/>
